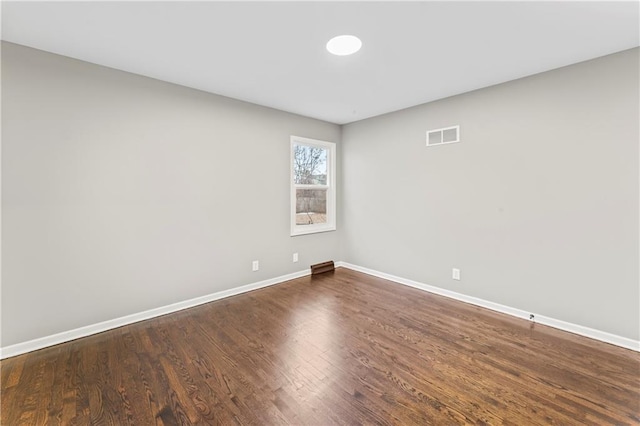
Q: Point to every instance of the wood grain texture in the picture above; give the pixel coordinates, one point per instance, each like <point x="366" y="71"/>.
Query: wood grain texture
<point x="336" y="348"/>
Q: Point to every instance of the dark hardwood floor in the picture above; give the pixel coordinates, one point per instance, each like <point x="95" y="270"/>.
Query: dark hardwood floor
<point x="339" y="348"/>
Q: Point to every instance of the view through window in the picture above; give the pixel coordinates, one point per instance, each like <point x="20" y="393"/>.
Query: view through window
<point x="313" y="194"/>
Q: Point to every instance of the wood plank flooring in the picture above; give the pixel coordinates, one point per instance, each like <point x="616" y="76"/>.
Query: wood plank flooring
<point x="338" y="348"/>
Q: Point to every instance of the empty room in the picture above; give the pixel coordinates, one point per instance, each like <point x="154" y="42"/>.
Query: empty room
<point x="320" y="213"/>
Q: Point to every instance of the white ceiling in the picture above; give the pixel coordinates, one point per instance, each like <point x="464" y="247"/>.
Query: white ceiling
<point x="274" y="54"/>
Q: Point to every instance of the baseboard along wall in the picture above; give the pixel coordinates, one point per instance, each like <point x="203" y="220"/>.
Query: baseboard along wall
<point x="66" y="336"/>
<point x="519" y="313"/>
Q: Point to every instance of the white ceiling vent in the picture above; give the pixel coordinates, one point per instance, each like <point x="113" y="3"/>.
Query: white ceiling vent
<point x="443" y="136"/>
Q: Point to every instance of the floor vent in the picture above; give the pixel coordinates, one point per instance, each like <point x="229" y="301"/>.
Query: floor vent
<point x="443" y="136"/>
<point x="319" y="268"/>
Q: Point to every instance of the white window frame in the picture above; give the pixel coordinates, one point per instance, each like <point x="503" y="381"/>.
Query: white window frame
<point x="330" y="187"/>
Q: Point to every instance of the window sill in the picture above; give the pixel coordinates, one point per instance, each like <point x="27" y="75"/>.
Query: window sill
<point x="313" y="230"/>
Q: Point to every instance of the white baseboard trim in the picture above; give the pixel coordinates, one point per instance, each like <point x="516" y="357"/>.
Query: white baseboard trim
<point x="66" y="336"/>
<point x="624" y="342"/>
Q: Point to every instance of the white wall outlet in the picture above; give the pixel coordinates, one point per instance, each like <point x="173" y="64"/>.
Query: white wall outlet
<point x="455" y="274"/>
<point x="255" y="265"/>
<point x="295" y="257"/>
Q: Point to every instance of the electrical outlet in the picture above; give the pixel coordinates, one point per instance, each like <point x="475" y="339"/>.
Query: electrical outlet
<point x="295" y="257"/>
<point x="255" y="266"/>
<point x="455" y="274"/>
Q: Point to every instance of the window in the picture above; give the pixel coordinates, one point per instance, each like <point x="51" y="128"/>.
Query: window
<point x="313" y="186"/>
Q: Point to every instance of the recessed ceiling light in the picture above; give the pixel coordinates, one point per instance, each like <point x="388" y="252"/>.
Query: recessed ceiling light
<point x="344" y="45"/>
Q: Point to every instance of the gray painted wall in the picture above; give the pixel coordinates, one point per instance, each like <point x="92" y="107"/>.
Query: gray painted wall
<point x="538" y="205"/>
<point x="121" y="193"/>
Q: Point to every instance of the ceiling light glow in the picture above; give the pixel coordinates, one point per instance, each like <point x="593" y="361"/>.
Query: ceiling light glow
<point x="344" y="45"/>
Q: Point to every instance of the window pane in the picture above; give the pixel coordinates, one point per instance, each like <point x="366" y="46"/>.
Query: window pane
<point x="309" y="165"/>
<point x="311" y="206"/>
